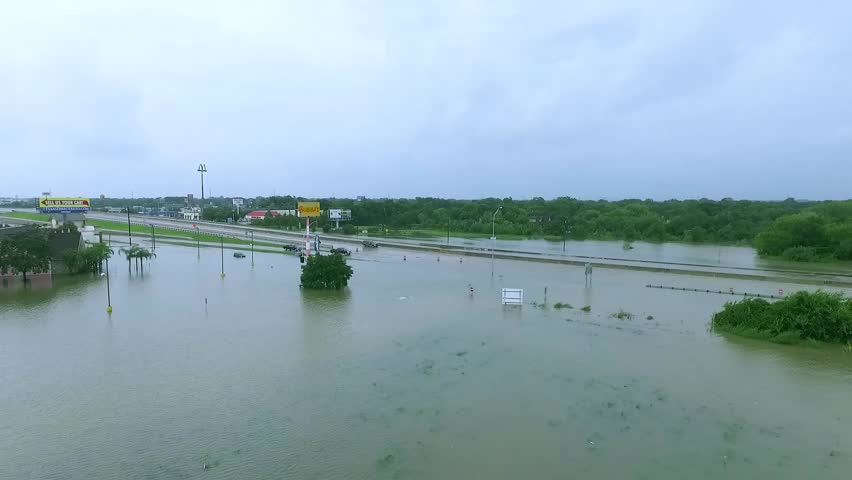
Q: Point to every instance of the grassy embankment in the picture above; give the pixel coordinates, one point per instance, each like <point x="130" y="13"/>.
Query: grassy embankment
<point x="803" y="316"/>
<point x="120" y="227"/>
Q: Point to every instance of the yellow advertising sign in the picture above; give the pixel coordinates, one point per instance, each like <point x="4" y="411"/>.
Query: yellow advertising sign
<point x="63" y="205"/>
<point x="309" y="209"/>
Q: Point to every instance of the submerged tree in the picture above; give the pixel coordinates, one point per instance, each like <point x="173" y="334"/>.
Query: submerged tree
<point x="326" y="272"/>
<point x="27" y="251"/>
<point x="135" y="252"/>
<point x="88" y="259"/>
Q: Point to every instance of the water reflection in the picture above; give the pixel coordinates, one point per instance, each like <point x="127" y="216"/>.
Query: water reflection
<point x="405" y="375"/>
<point x="825" y="357"/>
<point x="325" y="319"/>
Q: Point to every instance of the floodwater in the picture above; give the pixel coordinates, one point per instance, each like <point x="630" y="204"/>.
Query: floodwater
<point x="404" y="375"/>
<point x="735" y="256"/>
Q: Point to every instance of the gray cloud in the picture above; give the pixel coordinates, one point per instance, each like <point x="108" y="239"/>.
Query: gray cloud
<point x="462" y="99"/>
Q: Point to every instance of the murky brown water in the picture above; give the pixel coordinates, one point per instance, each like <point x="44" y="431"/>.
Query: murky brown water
<point x="404" y="376"/>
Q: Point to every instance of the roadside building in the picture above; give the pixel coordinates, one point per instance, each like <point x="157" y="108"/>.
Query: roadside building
<point x="58" y="219"/>
<point x="261" y="214"/>
<point x="61" y="243"/>
<point x="191" y="213"/>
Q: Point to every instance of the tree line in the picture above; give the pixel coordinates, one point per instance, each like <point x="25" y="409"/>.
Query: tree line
<point x="725" y="221"/>
<point x="819" y="232"/>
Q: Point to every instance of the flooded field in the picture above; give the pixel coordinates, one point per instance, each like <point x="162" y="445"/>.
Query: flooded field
<point x="404" y="375"/>
<point x="669" y="252"/>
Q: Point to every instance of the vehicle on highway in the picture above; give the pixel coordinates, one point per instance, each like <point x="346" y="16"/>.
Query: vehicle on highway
<point x="370" y="244"/>
<point x="239" y="255"/>
<point x="340" y="251"/>
<point x="290" y="248"/>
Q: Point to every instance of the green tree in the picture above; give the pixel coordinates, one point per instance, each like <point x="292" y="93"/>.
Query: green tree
<point x="27" y="251"/>
<point x="135" y="252"/>
<point x="805" y="229"/>
<point x="326" y="272"/>
<point x="840" y="239"/>
<point x="88" y="259"/>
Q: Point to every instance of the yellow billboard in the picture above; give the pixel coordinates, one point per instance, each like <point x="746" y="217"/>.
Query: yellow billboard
<point x="309" y="209"/>
<point x="63" y="204"/>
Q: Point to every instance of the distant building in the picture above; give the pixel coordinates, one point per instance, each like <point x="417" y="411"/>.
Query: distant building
<point x="360" y="198"/>
<point x="6" y="229"/>
<point x="261" y="214"/>
<point x="191" y="213"/>
<point x="78" y="219"/>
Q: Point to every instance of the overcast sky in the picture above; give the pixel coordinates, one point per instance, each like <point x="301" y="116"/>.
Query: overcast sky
<point x="464" y="99"/>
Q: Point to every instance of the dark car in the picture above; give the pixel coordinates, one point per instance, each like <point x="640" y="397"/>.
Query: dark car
<point x="239" y="255"/>
<point x="370" y="244"/>
<point x="290" y="248"/>
<point x="340" y="251"/>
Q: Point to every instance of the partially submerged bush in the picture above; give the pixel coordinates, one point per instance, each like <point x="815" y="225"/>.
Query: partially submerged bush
<point x="804" y="254"/>
<point x="621" y="314"/>
<point x="819" y="315"/>
<point x="562" y="305"/>
<point x="326" y="272"/>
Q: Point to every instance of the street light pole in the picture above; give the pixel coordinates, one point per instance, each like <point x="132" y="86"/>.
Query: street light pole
<point x="494" y="236"/>
<point x="153" y="236"/>
<point x="252" y="246"/>
<point x="109" y="300"/>
<point x="222" y="244"/>
<point x="129" y="235"/>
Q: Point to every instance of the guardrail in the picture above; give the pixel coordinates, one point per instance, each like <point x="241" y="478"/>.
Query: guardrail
<point x="720" y="292"/>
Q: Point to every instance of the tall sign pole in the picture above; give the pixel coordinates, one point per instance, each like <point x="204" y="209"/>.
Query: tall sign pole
<point x="308" y="210"/>
<point x="202" y="169"/>
<point x="308" y="236"/>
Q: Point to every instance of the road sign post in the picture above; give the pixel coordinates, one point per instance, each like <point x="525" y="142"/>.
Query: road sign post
<point x="308" y="210"/>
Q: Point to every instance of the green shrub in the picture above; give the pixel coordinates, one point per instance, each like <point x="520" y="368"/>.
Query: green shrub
<point x="326" y="272"/>
<point x="587" y="308"/>
<point x="802" y="254"/>
<point x="822" y="316"/>
<point x="562" y="305"/>
<point x="621" y="314"/>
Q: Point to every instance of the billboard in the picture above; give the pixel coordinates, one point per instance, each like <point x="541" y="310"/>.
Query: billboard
<point x="309" y="209"/>
<point x="339" y="214"/>
<point x="238" y="202"/>
<point x="63" y="205"/>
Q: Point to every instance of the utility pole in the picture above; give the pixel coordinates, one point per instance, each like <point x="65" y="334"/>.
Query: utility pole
<point x="153" y="237"/>
<point x="448" y="230"/>
<point x="494" y="237"/>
